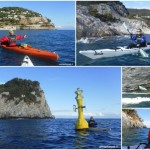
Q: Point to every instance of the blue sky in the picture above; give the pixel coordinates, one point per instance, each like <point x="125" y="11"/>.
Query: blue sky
<point x="137" y="4"/>
<point x="145" y="115"/>
<point x="101" y="88"/>
<point x="62" y="13"/>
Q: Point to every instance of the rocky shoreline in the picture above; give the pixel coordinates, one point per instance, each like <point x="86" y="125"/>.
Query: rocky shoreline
<point x="91" y="23"/>
<point x="130" y="119"/>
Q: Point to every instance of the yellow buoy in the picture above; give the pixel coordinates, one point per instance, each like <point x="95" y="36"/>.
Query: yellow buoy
<point x="81" y="122"/>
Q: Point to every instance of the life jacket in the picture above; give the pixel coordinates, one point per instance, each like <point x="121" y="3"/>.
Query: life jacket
<point x="139" y="38"/>
<point x="12" y="40"/>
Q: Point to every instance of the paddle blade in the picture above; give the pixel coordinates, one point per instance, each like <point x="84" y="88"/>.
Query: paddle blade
<point x="124" y="24"/>
<point x="143" y="53"/>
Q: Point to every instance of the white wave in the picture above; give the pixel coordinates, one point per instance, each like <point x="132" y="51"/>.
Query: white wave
<point x="135" y="100"/>
<point x="83" y="40"/>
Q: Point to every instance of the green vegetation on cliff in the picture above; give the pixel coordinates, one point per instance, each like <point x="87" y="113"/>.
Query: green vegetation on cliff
<point x="103" y="17"/>
<point x="22" y="89"/>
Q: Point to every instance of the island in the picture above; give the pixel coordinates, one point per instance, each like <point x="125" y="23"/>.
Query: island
<point x="21" y="98"/>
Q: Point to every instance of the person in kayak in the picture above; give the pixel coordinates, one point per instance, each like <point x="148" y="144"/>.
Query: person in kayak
<point x="11" y="39"/>
<point x="92" y="122"/>
<point x="139" y="40"/>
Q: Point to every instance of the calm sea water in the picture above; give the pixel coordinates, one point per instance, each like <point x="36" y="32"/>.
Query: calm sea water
<point x="111" y="42"/>
<point x="132" y="137"/>
<point x="57" y="133"/>
<point x="59" y="41"/>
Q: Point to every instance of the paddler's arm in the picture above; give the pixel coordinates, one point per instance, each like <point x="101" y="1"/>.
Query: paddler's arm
<point x="19" y="37"/>
<point x="4" y="39"/>
<point x="133" y="37"/>
<point x="143" y="39"/>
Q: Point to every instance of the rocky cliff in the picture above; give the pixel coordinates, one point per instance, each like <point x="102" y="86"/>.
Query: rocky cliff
<point x="104" y="19"/>
<point x="130" y="119"/>
<point x="136" y="78"/>
<point x="23" y="99"/>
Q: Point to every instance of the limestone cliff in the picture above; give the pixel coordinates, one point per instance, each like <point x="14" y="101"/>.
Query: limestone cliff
<point x="130" y="119"/>
<point x="104" y="18"/>
<point x="23" y="99"/>
<point x="134" y="78"/>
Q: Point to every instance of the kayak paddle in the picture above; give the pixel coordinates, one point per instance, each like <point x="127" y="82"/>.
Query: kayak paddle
<point x="143" y="53"/>
<point x="124" y="24"/>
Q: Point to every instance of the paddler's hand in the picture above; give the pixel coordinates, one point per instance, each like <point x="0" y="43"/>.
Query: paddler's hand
<point x="25" y="36"/>
<point x="131" y="35"/>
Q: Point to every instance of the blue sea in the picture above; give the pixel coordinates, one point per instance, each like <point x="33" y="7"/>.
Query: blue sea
<point x="110" y="42"/>
<point x="60" y="41"/>
<point x="58" y="134"/>
<point x="131" y="137"/>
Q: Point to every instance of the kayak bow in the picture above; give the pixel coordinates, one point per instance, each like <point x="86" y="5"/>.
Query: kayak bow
<point x="27" y="62"/>
<point x="33" y="52"/>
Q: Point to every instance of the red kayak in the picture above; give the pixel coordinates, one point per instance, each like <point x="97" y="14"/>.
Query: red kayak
<point x="33" y="52"/>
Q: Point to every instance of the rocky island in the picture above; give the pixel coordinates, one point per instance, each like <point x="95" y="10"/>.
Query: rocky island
<point x="136" y="80"/>
<point x="130" y="119"/>
<point x="21" y="18"/>
<point x="21" y="98"/>
<point x="106" y="18"/>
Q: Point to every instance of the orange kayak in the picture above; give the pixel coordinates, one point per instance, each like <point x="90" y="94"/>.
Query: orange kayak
<point x="33" y="52"/>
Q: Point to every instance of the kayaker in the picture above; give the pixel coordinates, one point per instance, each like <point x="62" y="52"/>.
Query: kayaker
<point x="92" y="122"/>
<point x="139" y="39"/>
<point x="11" y="39"/>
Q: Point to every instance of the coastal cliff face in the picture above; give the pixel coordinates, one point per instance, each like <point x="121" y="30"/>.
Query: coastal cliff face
<point x="32" y="20"/>
<point x="104" y="19"/>
<point x="23" y="99"/>
<point x="133" y="77"/>
<point x="130" y="119"/>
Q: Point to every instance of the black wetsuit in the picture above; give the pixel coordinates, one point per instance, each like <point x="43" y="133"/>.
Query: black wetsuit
<point x="92" y="123"/>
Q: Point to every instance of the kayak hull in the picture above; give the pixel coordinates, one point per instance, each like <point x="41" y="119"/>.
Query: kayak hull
<point x="27" y="62"/>
<point x="105" y="53"/>
<point x="33" y="52"/>
<point x="99" y="129"/>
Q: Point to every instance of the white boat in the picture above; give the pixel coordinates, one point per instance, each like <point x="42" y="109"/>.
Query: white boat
<point x="27" y="62"/>
<point x="119" y="51"/>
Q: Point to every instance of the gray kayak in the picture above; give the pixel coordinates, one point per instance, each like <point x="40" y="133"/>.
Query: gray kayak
<point x="104" y="53"/>
<point x="99" y="129"/>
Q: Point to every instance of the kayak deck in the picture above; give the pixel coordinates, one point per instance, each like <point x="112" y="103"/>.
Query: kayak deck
<point x="104" y="53"/>
<point x="33" y="52"/>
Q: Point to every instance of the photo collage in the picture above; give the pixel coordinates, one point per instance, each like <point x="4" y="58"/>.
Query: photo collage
<point x="75" y="74"/>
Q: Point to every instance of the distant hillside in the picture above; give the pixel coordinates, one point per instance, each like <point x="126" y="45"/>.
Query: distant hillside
<point x="139" y="12"/>
<point x="17" y="16"/>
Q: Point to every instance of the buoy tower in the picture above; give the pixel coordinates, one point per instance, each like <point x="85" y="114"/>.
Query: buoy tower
<point x="81" y="122"/>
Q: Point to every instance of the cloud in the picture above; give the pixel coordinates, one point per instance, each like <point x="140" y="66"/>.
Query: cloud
<point x="2" y="82"/>
<point x="147" y="123"/>
<point x="66" y="27"/>
<point x="58" y="27"/>
<point x="72" y="114"/>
